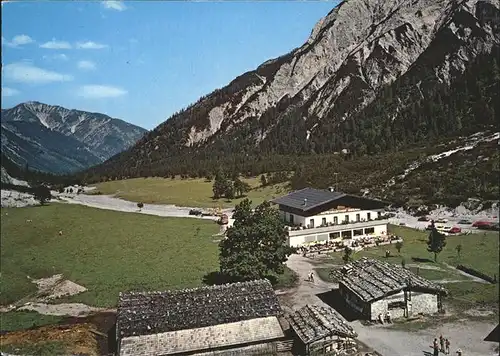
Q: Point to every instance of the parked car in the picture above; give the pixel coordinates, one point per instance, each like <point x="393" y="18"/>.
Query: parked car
<point x="481" y="224"/>
<point x="423" y="218"/>
<point x="455" y="230"/>
<point x="195" y="212"/>
<point x="464" y="222"/>
<point x="442" y="221"/>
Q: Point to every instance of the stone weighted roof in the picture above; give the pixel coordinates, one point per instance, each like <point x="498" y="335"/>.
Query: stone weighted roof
<point x="314" y="322"/>
<point x="144" y="313"/>
<point x="372" y="279"/>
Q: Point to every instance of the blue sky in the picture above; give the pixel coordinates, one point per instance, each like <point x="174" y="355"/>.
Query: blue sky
<point x="142" y="61"/>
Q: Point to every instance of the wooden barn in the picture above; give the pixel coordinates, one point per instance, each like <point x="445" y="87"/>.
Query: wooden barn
<point x="374" y="288"/>
<point x="230" y="319"/>
<point x="321" y="330"/>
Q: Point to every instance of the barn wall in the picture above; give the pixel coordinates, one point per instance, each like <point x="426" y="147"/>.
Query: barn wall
<point x="259" y="349"/>
<point x="425" y="303"/>
<point x="381" y="307"/>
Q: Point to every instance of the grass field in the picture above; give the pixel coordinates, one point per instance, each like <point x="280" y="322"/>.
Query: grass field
<point x="105" y="251"/>
<point x="183" y="192"/>
<point x="479" y="251"/>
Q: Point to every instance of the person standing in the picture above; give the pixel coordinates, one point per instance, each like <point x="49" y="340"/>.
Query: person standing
<point x="459" y="352"/>
<point x="441" y="343"/>
<point x="435" y="348"/>
<point x="447" y="346"/>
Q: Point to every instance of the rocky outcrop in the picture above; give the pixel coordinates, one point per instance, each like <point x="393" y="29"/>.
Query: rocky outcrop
<point x="297" y="102"/>
<point x="55" y="139"/>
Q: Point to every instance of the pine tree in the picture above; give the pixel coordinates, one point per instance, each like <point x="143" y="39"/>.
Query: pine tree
<point x="436" y="241"/>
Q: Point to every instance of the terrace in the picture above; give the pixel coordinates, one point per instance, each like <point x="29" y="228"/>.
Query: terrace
<point x="294" y="229"/>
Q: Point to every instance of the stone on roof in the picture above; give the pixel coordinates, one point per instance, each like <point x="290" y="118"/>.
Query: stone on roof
<point x="204" y="338"/>
<point x="144" y="313"/>
<point x="308" y="198"/>
<point x="372" y="279"/>
<point x="313" y="322"/>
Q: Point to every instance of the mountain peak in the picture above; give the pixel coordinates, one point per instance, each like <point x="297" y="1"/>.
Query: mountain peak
<point x="33" y="124"/>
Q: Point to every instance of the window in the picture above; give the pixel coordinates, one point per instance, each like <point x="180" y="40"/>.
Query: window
<point x="358" y="232"/>
<point x="346" y="218"/>
<point x="323" y="221"/>
<point x="369" y="230"/>
<point x="396" y="305"/>
<point x="379" y="214"/>
<point x="334" y="235"/>
<point x="347" y="235"/>
<point x="311" y="223"/>
<point x="358" y="217"/>
<point x="335" y="220"/>
<point x="291" y="218"/>
<point x="368" y="216"/>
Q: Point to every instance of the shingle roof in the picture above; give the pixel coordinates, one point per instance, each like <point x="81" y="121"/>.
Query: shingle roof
<point x="190" y="340"/>
<point x="373" y="279"/>
<point x="315" y="197"/>
<point x="314" y="322"/>
<point x="142" y="313"/>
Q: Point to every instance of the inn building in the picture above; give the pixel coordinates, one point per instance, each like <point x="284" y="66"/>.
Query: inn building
<point x="321" y="216"/>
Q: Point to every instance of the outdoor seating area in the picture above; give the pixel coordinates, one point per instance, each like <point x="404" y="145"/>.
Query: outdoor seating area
<point x="319" y="247"/>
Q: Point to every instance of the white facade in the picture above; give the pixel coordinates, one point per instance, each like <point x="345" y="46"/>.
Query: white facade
<point x="334" y="225"/>
<point x="335" y="216"/>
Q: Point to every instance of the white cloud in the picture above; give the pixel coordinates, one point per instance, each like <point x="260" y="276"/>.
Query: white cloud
<point x="114" y="5"/>
<point x="86" y="65"/>
<point x="27" y="73"/>
<point x="60" y="56"/>
<point x="90" y="45"/>
<point x="18" y="40"/>
<point x="100" y="91"/>
<point x="56" y="44"/>
<point x="9" y="91"/>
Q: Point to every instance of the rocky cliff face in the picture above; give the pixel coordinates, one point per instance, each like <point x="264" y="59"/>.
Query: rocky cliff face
<point x="302" y="101"/>
<point x="55" y="139"/>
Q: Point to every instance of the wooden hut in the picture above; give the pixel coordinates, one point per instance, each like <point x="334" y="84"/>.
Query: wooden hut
<point x="321" y="329"/>
<point x="230" y="319"/>
<point x="374" y="288"/>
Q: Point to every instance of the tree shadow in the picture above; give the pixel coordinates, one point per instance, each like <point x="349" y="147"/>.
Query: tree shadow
<point x="427" y="353"/>
<point x="335" y="300"/>
<point x="216" y="278"/>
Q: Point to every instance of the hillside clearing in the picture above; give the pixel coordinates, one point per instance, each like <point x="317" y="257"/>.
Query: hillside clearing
<point x="183" y="192"/>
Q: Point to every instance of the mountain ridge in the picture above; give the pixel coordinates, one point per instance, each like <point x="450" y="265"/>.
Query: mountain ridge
<point x="54" y="139"/>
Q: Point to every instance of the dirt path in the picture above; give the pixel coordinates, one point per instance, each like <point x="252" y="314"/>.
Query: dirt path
<point x="305" y="292"/>
<point x="387" y="341"/>
<point x="64" y="309"/>
<point x="109" y="202"/>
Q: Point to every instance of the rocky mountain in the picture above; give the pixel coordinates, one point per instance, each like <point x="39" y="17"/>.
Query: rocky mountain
<point x="374" y="76"/>
<point x="58" y="140"/>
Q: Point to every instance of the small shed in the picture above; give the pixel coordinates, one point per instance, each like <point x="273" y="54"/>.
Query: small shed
<point x="374" y="288"/>
<point x="321" y="329"/>
<point x="237" y="318"/>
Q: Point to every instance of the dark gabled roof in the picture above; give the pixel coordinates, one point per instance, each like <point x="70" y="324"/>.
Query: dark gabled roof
<point x="372" y="279"/>
<point x="315" y="198"/>
<point x="313" y="322"/>
<point x="143" y="313"/>
<point x="494" y="336"/>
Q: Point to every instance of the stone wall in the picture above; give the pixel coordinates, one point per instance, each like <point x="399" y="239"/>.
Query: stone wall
<point x="424" y="303"/>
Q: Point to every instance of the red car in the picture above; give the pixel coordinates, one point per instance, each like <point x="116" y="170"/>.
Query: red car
<point x="480" y="224"/>
<point x="455" y="230"/>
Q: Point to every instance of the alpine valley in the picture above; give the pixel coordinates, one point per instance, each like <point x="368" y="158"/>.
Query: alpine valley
<point x="379" y="87"/>
<point x="53" y="139"/>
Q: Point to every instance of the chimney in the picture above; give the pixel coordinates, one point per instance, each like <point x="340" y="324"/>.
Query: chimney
<point x="305" y="201"/>
<point x="331" y="189"/>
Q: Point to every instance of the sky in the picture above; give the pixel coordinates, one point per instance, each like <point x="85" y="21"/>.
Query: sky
<point x="141" y="61"/>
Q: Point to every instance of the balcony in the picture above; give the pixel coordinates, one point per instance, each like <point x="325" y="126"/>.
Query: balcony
<point x="352" y="225"/>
